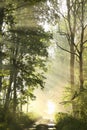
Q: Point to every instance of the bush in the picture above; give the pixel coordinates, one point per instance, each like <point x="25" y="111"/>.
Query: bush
<point x="3" y="126"/>
<point x="17" y="121"/>
<point x="2" y="115"/>
<point x="70" y="123"/>
<point x="12" y="121"/>
<point x="25" y="120"/>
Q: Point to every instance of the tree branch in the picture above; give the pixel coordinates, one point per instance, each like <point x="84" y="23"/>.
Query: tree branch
<point x="76" y="46"/>
<point x="66" y="49"/>
<point x="85" y="47"/>
<point x="85" y="26"/>
<point x="84" y="41"/>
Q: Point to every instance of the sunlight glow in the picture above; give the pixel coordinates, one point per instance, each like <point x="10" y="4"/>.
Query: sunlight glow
<point x="51" y="107"/>
<point x="46" y="26"/>
<point x="63" y="6"/>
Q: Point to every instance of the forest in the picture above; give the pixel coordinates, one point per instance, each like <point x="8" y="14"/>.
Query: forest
<point x="29" y="29"/>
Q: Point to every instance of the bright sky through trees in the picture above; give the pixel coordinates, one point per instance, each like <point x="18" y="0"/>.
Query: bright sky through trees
<point x="51" y="107"/>
<point x="54" y="76"/>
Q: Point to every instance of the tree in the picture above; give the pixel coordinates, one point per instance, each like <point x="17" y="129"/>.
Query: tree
<point x="75" y="33"/>
<point x="25" y="50"/>
<point x="76" y="13"/>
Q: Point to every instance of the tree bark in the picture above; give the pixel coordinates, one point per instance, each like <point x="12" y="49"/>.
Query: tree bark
<point x="1" y="56"/>
<point x="81" y="48"/>
<point x="8" y="93"/>
<point x="15" y="92"/>
<point x="72" y="27"/>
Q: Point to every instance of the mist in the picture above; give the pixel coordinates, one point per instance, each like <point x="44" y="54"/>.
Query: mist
<point x="57" y="78"/>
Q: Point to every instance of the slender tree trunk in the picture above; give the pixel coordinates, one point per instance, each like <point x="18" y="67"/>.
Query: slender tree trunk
<point x="15" y="92"/>
<point x="1" y="23"/>
<point x="81" y="76"/>
<point x="15" y="72"/>
<point x="0" y="69"/>
<point x="21" y="106"/>
<point x="72" y="62"/>
<point x="72" y="56"/>
<point x="81" y="72"/>
<point x="7" y="100"/>
<point x="81" y="48"/>
<point x="16" y="45"/>
<point x="27" y="104"/>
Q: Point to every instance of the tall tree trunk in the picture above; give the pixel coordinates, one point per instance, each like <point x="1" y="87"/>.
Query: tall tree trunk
<point x="72" y="59"/>
<point x="8" y="93"/>
<point x="15" y="92"/>
<point x="81" y="76"/>
<point x="72" y="56"/>
<point x="1" y="56"/>
<point x="81" y="48"/>
<point x="81" y="72"/>
<point x="27" y="104"/>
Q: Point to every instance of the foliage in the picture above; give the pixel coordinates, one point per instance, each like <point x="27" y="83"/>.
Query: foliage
<point x="67" y="122"/>
<point x="59" y="116"/>
<point x="26" y="120"/>
<point x="1" y="114"/>
<point x="18" y="121"/>
<point x="28" y="52"/>
<point x="66" y="21"/>
<point x="23" y="55"/>
<point x="82" y="105"/>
